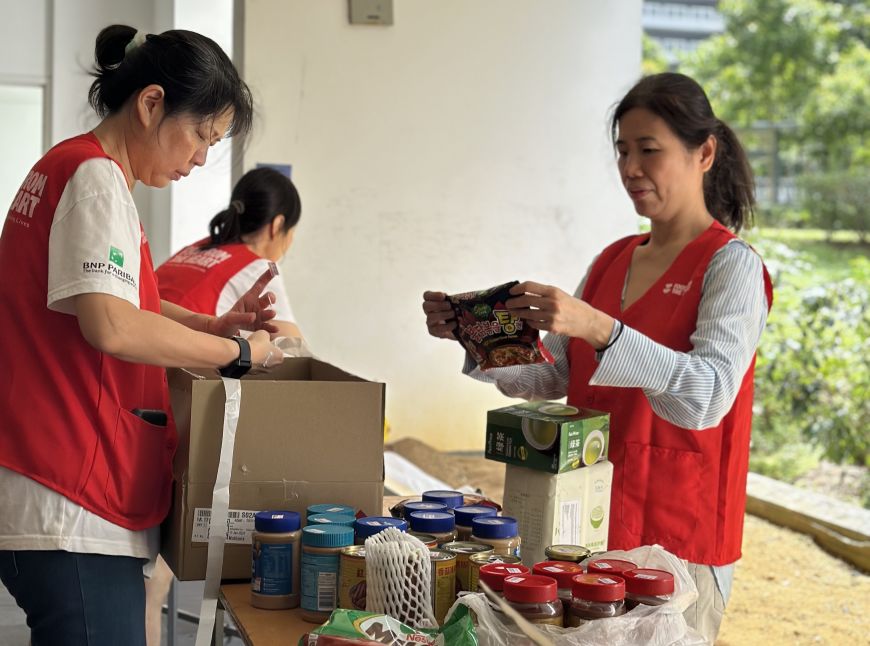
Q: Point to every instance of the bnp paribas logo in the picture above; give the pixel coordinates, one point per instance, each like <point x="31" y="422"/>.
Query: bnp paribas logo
<point x="116" y="256"/>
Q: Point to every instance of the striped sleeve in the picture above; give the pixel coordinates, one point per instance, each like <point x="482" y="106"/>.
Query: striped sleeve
<point x="696" y="389"/>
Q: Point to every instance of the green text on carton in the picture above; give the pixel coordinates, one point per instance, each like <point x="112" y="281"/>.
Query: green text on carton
<point x="547" y="436"/>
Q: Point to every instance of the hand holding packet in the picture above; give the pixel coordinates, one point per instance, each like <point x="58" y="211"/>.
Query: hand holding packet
<point x="492" y="334"/>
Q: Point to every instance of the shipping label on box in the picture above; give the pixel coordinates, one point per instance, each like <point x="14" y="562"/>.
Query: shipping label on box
<point x="547" y="436"/>
<point x="570" y="508"/>
<point x="308" y="433"/>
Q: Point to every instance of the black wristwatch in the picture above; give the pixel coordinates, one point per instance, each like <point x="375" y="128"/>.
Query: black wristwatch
<point x="240" y="366"/>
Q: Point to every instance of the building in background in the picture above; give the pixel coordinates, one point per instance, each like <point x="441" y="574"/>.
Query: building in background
<point x="679" y="26"/>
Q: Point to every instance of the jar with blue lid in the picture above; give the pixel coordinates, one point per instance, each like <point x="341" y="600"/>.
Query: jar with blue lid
<point x="371" y="525"/>
<point x="329" y="508"/>
<point x="464" y="516"/>
<point x="452" y="499"/>
<point x="332" y="519"/>
<point x="439" y="524"/>
<point x="502" y="532"/>
<point x="423" y="505"/>
<point x="275" y="562"/>
<point x="321" y="550"/>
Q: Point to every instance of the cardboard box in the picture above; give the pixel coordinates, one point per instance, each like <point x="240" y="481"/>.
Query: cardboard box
<point x="308" y="433"/>
<point x="547" y="436"/>
<point x="563" y="509"/>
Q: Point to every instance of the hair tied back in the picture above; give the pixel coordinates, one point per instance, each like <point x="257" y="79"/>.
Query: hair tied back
<point x="138" y="39"/>
<point x="238" y="206"/>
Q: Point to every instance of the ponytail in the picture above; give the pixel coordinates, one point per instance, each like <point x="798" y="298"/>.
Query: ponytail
<point x="258" y="198"/>
<point x="729" y="187"/>
<point x="225" y="227"/>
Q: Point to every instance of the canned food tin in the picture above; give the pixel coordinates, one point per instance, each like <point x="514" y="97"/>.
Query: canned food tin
<point x="352" y="578"/>
<point x="443" y="582"/>
<point x="430" y="541"/>
<point x="475" y="561"/>
<point x="463" y="551"/>
<point x="570" y="553"/>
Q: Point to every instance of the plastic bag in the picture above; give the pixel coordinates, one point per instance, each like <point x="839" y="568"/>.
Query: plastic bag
<point x="644" y="626"/>
<point x="492" y="334"/>
<point x="357" y="627"/>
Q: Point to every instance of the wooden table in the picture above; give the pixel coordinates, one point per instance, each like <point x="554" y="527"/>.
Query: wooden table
<point x="270" y="627"/>
<point x="262" y="627"/>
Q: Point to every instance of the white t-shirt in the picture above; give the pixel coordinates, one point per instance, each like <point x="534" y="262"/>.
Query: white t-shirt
<point x="96" y="211"/>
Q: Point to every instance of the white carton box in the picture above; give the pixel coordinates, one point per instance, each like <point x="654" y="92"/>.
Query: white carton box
<point x="556" y="509"/>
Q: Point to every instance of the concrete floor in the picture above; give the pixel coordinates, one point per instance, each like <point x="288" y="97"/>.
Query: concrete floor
<point x="14" y="631"/>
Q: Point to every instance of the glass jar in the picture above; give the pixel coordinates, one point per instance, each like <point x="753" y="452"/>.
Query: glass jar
<point x="648" y="587"/>
<point x="451" y="499"/>
<point x="321" y="556"/>
<point x="564" y="574"/>
<point x="569" y="553"/>
<point x="615" y="567"/>
<point x="439" y="524"/>
<point x="477" y="561"/>
<point x="275" y="560"/>
<point x="494" y="574"/>
<point x="502" y="532"/>
<point x="423" y="505"/>
<point x="536" y="598"/>
<point x="595" y="596"/>
<point x="464" y="516"/>
<point x="371" y="525"/>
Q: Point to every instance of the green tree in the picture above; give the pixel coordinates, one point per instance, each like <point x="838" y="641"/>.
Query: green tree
<point x="654" y="59"/>
<point x="797" y="62"/>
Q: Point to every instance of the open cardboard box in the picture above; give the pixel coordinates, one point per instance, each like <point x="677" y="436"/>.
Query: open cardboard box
<point x="308" y="433"/>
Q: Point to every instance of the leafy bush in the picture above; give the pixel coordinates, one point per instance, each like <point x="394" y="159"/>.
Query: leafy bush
<point x="812" y="377"/>
<point x="837" y="201"/>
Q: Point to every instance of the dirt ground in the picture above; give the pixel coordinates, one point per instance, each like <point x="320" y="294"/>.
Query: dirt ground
<point x="787" y="590"/>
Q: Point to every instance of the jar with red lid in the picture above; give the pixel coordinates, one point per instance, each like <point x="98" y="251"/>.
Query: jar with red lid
<point x="564" y="573"/>
<point x="614" y="567"/>
<point x="494" y="574"/>
<point x="648" y="587"/>
<point x="595" y="596"/>
<point x="535" y="597"/>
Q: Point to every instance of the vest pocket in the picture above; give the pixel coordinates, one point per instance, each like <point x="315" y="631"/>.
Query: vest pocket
<point x="661" y="489"/>
<point x="139" y="468"/>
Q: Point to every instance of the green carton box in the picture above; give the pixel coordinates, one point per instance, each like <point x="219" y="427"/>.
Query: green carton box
<point x="547" y="436"/>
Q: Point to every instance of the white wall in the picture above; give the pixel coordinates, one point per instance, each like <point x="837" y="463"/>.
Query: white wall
<point x="462" y="147"/>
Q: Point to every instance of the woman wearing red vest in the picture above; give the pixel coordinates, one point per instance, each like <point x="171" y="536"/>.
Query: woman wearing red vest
<point x="661" y="333"/>
<point x="246" y="237"/>
<point x="86" y="443"/>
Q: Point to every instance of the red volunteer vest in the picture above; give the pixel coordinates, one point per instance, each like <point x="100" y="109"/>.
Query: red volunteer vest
<point x="66" y="407"/>
<point x="680" y="488"/>
<point x="195" y="277"/>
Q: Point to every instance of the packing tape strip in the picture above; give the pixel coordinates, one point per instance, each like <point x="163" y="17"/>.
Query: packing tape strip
<point x="220" y="503"/>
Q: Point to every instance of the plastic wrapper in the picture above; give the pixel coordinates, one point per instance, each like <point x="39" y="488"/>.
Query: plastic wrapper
<point x="494" y="335"/>
<point x="346" y="627"/>
<point x="662" y="625"/>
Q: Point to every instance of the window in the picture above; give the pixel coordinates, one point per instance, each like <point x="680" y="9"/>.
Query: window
<point x="21" y="131"/>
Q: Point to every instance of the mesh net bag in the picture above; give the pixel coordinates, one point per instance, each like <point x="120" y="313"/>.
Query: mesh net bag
<point x="399" y="578"/>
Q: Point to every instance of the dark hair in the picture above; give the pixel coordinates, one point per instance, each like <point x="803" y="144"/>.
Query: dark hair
<point x="196" y="75"/>
<point x="728" y="186"/>
<point x="258" y="197"/>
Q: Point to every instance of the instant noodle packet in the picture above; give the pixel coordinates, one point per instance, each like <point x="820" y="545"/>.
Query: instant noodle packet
<point x="346" y="627"/>
<point x="492" y="334"/>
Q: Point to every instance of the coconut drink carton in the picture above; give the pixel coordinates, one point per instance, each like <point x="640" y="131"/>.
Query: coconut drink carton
<point x="547" y="436"/>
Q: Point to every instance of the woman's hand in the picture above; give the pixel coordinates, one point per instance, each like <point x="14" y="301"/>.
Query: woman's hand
<point x="251" y="312"/>
<point x="549" y="308"/>
<point x="440" y="317"/>
<point x="264" y="354"/>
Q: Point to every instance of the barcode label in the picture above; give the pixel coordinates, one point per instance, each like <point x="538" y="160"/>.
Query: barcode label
<point x="326" y="583"/>
<point x="569" y="528"/>
<point x="240" y="526"/>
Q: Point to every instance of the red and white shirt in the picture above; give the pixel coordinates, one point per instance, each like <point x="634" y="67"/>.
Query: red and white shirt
<point x="78" y="470"/>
